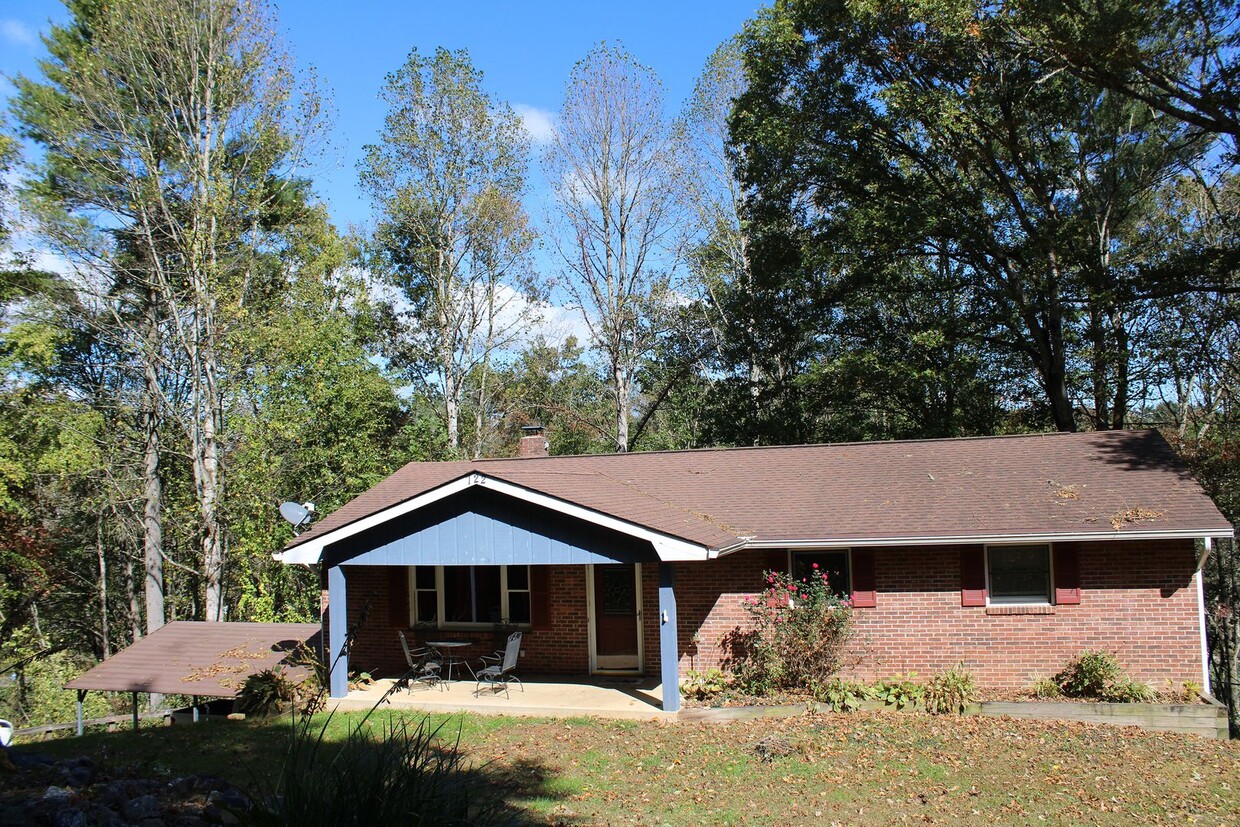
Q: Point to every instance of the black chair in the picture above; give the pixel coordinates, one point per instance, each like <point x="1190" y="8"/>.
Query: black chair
<point x="424" y="667"/>
<point x="498" y="669"/>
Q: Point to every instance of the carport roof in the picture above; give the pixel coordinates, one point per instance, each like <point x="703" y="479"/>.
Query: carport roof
<point x="189" y="657"/>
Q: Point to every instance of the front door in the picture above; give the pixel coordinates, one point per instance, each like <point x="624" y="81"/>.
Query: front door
<point x="616" y="622"/>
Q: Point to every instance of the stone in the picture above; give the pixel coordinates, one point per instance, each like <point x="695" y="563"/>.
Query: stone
<point x="32" y="760"/>
<point x="80" y="777"/>
<point x="68" y="817"/>
<point x="15" y="813"/>
<point x="231" y="799"/>
<point x="142" y="807"/>
<point x="56" y="794"/>
<point x="217" y="815"/>
<point x="236" y="716"/>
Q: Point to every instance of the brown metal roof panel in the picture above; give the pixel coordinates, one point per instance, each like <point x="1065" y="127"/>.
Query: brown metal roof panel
<point x="196" y="658"/>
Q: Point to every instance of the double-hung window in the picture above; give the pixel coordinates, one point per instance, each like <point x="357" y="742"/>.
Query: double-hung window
<point x="832" y="563"/>
<point x="471" y="595"/>
<point x="1019" y="574"/>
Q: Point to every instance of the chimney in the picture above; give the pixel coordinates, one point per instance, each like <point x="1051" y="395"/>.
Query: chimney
<point x="533" y="444"/>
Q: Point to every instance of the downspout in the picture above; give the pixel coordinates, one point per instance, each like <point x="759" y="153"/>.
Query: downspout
<point x="1207" y="543"/>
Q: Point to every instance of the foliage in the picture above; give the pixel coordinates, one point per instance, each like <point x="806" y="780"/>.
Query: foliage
<point x="1045" y="689"/>
<point x="266" y="693"/>
<point x="32" y="688"/>
<point x="1128" y="691"/>
<point x="447" y="176"/>
<point x="1088" y="675"/>
<point x="900" y="691"/>
<point x="843" y="695"/>
<point x="948" y="692"/>
<point x="703" y="686"/>
<point x="403" y="773"/>
<point x="800" y="630"/>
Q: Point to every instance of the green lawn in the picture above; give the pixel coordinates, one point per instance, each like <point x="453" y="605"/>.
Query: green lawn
<point x="871" y="768"/>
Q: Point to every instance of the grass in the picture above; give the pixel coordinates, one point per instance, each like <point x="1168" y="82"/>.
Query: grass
<point x="867" y="767"/>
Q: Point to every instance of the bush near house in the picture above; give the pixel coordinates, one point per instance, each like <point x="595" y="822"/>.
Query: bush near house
<point x="799" y="635"/>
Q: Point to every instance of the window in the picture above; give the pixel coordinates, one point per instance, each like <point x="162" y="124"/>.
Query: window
<point x="471" y="595"/>
<point x="1019" y="574"/>
<point x="833" y="563"/>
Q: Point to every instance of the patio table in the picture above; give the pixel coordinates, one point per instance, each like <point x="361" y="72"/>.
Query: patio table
<point x="445" y="647"/>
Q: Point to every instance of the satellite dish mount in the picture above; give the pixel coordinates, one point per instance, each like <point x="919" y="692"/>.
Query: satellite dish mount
<point x="299" y="514"/>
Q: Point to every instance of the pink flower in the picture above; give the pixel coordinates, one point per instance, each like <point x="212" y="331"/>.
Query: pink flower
<point x="815" y="565"/>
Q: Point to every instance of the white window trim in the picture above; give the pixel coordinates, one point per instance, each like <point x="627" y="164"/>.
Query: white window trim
<point x="1050" y="574"/>
<point x="440" y="612"/>
<point x="848" y="552"/>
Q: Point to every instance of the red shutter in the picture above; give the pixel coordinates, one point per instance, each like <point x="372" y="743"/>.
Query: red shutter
<point x="864" y="594"/>
<point x="540" y="597"/>
<point x="972" y="576"/>
<point x="1067" y="576"/>
<point x="398" y="596"/>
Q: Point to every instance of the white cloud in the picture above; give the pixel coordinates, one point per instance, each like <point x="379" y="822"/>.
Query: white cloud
<point x="539" y="123"/>
<point x="16" y="32"/>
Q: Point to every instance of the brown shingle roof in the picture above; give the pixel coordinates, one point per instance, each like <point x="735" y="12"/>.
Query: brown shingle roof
<point x="1037" y="484"/>
<point x="194" y="658"/>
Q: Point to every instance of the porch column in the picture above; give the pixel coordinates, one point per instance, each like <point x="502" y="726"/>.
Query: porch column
<point x="669" y="644"/>
<point x="338" y="631"/>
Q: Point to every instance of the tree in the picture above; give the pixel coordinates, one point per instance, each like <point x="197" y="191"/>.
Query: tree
<point x="611" y="168"/>
<point x="447" y="177"/>
<point x="169" y="132"/>
<point x="921" y="134"/>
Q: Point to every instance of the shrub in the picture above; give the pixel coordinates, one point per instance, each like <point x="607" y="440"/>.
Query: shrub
<point x="1045" y="688"/>
<point x="948" y="692"/>
<point x="899" y="691"/>
<point x="266" y="693"/>
<point x="1088" y="675"/>
<point x="403" y="774"/>
<point x="703" y="685"/>
<point x="1127" y="691"/>
<point x="843" y="695"/>
<point x="800" y="629"/>
<point x="1190" y="692"/>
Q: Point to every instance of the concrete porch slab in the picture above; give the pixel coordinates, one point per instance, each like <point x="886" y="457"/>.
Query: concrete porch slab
<point x="543" y="697"/>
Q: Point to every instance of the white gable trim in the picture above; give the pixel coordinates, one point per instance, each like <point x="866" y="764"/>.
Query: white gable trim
<point x="668" y="548"/>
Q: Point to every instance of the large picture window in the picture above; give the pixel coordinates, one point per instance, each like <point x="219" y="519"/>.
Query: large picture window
<point x="833" y="563"/>
<point x="471" y="595"/>
<point x="1019" y="574"/>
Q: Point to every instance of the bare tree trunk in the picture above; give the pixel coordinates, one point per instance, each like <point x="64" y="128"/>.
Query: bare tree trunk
<point x="135" y="607"/>
<point x="103" y="589"/>
<point x="152" y="514"/>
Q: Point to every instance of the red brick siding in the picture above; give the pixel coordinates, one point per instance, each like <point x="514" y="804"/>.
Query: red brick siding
<point x="1138" y="600"/>
<point x="562" y="649"/>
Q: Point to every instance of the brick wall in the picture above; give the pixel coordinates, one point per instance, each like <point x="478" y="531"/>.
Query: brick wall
<point x="1138" y="600"/>
<point x="562" y="649"/>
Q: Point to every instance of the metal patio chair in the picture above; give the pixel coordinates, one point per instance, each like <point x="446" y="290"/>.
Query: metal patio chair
<point x="424" y="667"/>
<point x="498" y="669"/>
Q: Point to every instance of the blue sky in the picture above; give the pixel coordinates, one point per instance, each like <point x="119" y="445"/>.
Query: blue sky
<point x="525" y="49"/>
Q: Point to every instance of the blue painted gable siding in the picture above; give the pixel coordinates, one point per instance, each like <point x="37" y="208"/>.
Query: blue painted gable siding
<point x="481" y="527"/>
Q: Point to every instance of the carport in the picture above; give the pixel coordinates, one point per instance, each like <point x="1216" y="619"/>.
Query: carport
<point x="199" y="659"/>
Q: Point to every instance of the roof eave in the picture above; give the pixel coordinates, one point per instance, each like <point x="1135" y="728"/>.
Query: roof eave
<point x="957" y="539"/>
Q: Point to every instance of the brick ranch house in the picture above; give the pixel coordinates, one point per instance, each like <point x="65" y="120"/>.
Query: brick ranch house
<point x="1009" y="554"/>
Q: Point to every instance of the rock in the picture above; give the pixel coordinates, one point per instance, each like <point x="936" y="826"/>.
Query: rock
<point x="141" y="808"/>
<point x="56" y="794"/>
<point x="80" y="777"/>
<point x="68" y="817"/>
<point x="31" y="760"/>
<point x="217" y="815"/>
<point x="231" y="799"/>
<point x="15" y="813"/>
<point x="236" y="716"/>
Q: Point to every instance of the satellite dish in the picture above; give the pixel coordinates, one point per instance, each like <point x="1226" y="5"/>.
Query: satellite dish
<point x="299" y="514"/>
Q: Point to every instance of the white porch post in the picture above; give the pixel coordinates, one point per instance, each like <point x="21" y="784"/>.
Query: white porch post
<point x="669" y="644"/>
<point x="338" y="631"/>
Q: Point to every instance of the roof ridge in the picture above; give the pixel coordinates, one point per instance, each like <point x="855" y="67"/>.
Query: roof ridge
<point x="856" y="443"/>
